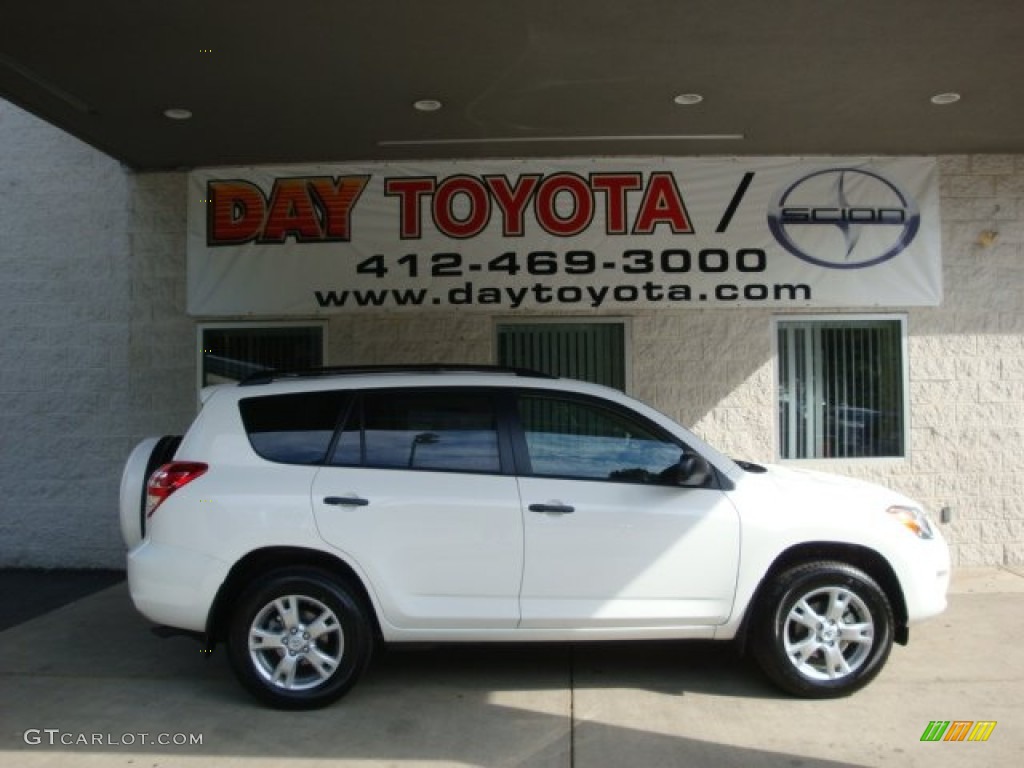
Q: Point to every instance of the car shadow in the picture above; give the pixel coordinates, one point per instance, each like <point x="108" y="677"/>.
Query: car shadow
<point x="660" y="666"/>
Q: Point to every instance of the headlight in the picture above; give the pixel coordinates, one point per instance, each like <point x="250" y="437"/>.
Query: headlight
<point x="915" y="520"/>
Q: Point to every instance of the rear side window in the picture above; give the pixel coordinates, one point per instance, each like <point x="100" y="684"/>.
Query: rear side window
<point x="453" y="431"/>
<point x="293" y="429"/>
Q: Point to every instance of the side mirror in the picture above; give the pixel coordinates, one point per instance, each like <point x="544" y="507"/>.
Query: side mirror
<point x="694" y="470"/>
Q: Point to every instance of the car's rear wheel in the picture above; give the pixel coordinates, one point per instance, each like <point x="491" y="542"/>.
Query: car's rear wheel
<point x="299" y="639"/>
<point x="822" y="630"/>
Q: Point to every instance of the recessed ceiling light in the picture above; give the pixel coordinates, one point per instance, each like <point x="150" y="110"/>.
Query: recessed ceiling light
<point x="686" y="99"/>
<point x="946" y="98"/>
<point x="427" y="105"/>
<point x="178" y="113"/>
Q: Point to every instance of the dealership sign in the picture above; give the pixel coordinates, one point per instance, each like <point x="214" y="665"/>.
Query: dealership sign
<point x="568" y="234"/>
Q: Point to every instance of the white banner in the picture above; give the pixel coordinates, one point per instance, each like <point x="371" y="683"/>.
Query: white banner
<point x="566" y="234"/>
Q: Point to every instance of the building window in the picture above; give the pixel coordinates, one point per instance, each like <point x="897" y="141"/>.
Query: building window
<point x="591" y="351"/>
<point x="232" y="352"/>
<point x="842" y="388"/>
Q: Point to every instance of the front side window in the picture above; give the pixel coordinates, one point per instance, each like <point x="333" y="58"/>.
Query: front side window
<point x="448" y="431"/>
<point x="841" y="386"/>
<point x="292" y="429"/>
<point x="578" y="439"/>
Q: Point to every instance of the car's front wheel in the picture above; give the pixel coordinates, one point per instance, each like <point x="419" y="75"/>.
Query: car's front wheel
<point x="822" y="629"/>
<point x="299" y="639"/>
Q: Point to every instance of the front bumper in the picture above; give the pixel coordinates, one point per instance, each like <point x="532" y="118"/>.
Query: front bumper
<point x="926" y="580"/>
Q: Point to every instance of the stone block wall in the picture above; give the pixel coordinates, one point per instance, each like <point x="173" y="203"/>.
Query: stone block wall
<point x="95" y="350"/>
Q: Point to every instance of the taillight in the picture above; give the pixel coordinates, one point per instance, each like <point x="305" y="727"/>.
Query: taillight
<point x="169" y="478"/>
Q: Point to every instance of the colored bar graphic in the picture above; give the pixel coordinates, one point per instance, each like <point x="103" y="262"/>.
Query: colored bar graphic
<point x="958" y="730"/>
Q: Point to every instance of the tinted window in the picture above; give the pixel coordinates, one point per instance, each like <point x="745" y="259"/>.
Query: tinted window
<point x="451" y="430"/>
<point x="571" y="438"/>
<point x="292" y="429"/>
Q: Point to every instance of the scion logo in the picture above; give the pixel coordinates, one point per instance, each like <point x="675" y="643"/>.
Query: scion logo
<point x="844" y="218"/>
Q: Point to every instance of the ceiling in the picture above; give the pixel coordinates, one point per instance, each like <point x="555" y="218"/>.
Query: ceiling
<point x="335" y="80"/>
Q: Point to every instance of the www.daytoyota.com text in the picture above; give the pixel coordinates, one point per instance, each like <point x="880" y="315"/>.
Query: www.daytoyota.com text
<point x="447" y="272"/>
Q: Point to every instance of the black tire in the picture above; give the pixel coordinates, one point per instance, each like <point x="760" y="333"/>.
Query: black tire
<point x="316" y="634"/>
<point x="822" y="630"/>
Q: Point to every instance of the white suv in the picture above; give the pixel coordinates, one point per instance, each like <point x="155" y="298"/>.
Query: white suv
<point x="305" y="518"/>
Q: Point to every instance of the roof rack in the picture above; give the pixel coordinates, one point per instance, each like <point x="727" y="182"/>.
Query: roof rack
<point x="268" y="376"/>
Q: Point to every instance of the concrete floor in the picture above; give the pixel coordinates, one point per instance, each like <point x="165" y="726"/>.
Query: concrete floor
<point x="93" y="671"/>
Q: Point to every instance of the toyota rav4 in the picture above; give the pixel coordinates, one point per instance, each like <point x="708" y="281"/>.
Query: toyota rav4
<point x="305" y="519"/>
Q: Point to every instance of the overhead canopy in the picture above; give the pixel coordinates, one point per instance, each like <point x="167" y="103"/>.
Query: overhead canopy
<point x="335" y="80"/>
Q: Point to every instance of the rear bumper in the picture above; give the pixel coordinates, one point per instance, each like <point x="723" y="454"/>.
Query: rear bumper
<point x="174" y="587"/>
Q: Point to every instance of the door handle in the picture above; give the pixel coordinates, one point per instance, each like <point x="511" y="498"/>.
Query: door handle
<point x="553" y="509"/>
<point x="345" y="501"/>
